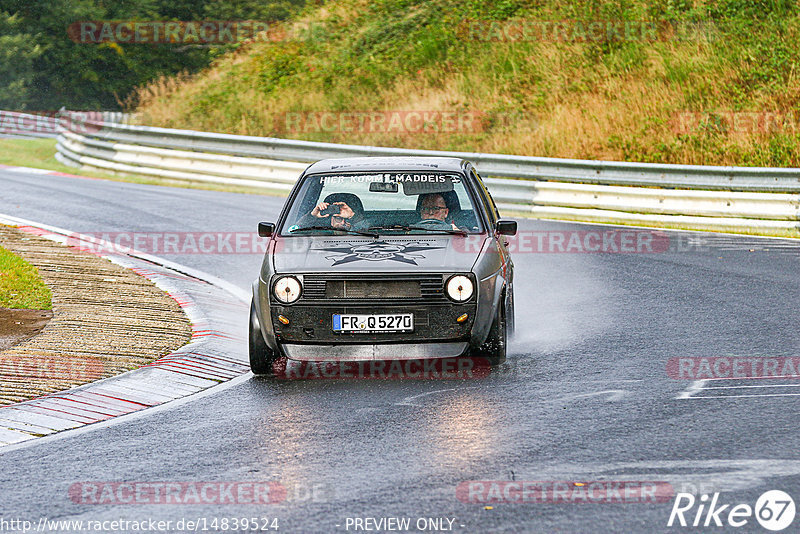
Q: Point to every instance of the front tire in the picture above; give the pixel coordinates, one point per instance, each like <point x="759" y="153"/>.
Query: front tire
<point x="494" y="348"/>
<point x="262" y="358"/>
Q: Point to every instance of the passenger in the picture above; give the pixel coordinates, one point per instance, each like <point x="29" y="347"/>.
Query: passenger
<point x="433" y="212"/>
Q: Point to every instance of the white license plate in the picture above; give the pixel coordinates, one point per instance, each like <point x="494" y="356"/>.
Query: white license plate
<point x="367" y="324"/>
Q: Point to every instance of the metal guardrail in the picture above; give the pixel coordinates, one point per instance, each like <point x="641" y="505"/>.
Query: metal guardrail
<point x="17" y="124"/>
<point x="692" y="196"/>
<point x="14" y="124"/>
<point x="533" y="168"/>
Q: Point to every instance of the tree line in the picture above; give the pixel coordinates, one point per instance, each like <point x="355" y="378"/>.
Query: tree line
<point x="43" y="66"/>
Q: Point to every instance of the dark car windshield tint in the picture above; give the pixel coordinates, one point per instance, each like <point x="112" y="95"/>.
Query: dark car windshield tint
<point x="388" y="203"/>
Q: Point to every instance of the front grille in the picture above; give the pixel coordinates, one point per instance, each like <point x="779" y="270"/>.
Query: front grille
<point x="364" y="289"/>
<point x="427" y="288"/>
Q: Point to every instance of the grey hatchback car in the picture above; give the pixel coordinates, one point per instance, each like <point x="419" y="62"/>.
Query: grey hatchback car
<point x="380" y="258"/>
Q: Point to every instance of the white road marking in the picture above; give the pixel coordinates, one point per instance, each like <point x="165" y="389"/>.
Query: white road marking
<point x="613" y="395"/>
<point x="759" y="386"/>
<point x="770" y="377"/>
<point x="612" y="380"/>
<point x="742" y="396"/>
<point x="406" y="401"/>
<point x="695" y="387"/>
<point x="699" y="386"/>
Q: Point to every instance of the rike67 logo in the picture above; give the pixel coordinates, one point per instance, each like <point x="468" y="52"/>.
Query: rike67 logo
<point x="774" y="510"/>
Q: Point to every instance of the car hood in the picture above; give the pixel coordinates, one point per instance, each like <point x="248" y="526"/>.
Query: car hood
<point x="385" y="254"/>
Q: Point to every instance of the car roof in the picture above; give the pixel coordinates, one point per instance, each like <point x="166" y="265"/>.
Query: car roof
<point x="403" y="163"/>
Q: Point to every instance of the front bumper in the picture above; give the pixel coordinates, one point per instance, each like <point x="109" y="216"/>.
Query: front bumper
<point x="371" y="352"/>
<point x="314" y="324"/>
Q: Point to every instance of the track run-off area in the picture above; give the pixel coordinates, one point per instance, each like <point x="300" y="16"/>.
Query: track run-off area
<point x="659" y="363"/>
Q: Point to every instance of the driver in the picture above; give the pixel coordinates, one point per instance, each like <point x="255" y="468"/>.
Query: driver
<point x="342" y="211"/>
<point x="433" y="212"/>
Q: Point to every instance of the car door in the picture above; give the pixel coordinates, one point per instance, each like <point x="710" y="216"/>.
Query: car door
<point x="493" y="215"/>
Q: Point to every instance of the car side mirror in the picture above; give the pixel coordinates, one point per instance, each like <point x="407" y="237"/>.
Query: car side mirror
<point x="266" y="229"/>
<point x="506" y="227"/>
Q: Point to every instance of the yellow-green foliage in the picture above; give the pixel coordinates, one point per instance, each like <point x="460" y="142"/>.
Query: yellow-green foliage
<point x="20" y="285"/>
<point x="618" y="99"/>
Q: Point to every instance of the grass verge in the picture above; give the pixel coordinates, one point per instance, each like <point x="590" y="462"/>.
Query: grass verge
<point x="714" y="83"/>
<point x="20" y="284"/>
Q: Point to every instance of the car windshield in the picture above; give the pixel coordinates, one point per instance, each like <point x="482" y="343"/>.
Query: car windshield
<point x="386" y="203"/>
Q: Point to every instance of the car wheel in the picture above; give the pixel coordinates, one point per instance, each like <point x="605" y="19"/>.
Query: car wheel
<point x="494" y="348"/>
<point x="262" y="358"/>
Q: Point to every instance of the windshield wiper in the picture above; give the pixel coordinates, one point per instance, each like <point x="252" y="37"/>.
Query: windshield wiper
<point x="332" y="229"/>
<point x="411" y="227"/>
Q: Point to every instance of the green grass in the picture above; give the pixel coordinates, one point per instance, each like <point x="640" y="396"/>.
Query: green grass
<point x="20" y="284"/>
<point x="595" y="100"/>
<point x="24" y="152"/>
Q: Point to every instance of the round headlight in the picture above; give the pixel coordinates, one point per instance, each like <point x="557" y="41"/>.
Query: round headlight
<point x="459" y="288"/>
<point x="287" y="289"/>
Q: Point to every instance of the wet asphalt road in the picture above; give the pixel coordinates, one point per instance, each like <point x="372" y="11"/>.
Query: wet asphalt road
<point x="585" y="394"/>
